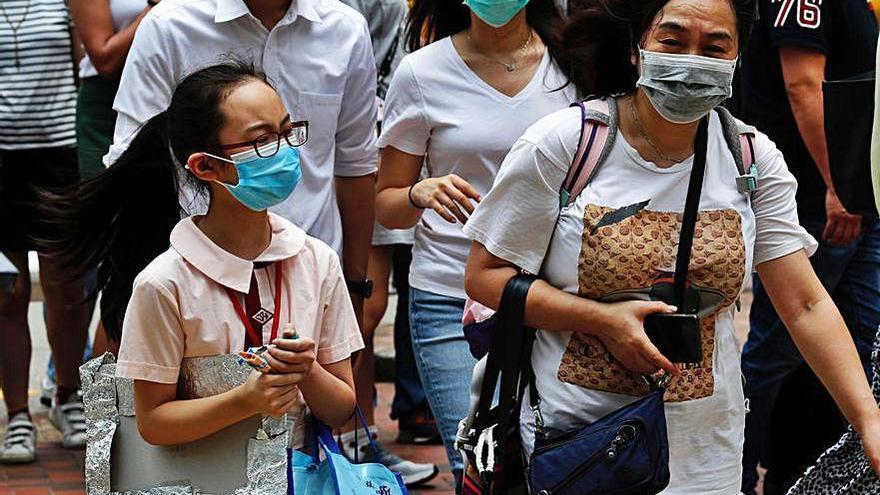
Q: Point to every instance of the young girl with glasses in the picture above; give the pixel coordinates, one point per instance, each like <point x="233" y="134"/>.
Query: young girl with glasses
<point x="231" y="277"/>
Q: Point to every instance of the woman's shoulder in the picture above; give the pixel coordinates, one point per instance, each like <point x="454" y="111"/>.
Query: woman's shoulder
<point x="426" y="60"/>
<point x="563" y="122"/>
<point x="556" y="135"/>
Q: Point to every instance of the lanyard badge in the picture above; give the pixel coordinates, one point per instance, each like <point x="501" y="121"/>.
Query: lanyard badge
<point x="255" y="334"/>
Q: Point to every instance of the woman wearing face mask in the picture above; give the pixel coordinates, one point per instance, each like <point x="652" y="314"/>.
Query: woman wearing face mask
<point x="231" y="278"/>
<point x="484" y="71"/>
<point x="665" y="65"/>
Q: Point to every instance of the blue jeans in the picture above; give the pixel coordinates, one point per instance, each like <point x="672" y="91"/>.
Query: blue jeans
<point x="851" y="274"/>
<point x="445" y="363"/>
<point x="409" y="396"/>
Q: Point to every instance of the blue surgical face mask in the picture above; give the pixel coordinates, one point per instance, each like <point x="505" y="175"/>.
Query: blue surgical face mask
<point x="496" y="13"/>
<point x="264" y="182"/>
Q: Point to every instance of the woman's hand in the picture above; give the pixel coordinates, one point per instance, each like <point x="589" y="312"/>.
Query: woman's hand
<point x="295" y="357"/>
<point x="623" y="334"/>
<point x="270" y="394"/>
<point x="842" y="227"/>
<point x="870" y="435"/>
<point x="447" y="195"/>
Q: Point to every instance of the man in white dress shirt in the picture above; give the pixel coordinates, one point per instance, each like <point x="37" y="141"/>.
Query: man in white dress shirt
<point x="318" y="56"/>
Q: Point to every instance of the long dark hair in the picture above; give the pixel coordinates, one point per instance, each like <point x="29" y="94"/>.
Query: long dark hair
<point x="431" y="20"/>
<point x="602" y="35"/>
<point x="121" y="220"/>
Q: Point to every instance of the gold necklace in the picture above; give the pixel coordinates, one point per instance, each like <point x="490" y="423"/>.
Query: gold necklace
<point x="512" y="66"/>
<point x="646" y="137"/>
<point x="15" y="27"/>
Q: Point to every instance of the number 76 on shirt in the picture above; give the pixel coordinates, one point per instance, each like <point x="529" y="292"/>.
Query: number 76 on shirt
<point x="808" y="13"/>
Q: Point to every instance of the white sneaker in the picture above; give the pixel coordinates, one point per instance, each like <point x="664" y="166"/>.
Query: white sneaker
<point x="19" y="446"/>
<point x="70" y="420"/>
<point x="413" y="473"/>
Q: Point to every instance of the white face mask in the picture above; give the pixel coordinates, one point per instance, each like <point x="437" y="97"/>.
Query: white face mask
<point x="685" y="88"/>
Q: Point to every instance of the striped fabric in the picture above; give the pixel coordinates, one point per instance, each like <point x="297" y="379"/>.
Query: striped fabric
<point x="37" y="95"/>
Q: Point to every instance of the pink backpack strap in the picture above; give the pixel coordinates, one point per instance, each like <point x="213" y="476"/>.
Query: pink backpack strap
<point x="597" y="121"/>
<point x="747" y="146"/>
<point x="740" y="139"/>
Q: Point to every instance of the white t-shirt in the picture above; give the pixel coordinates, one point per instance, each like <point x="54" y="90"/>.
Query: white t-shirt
<point x="438" y="108"/>
<point x="578" y="380"/>
<point x="123" y="13"/>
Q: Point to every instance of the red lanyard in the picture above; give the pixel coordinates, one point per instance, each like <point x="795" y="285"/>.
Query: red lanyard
<point x="257" y="337"/>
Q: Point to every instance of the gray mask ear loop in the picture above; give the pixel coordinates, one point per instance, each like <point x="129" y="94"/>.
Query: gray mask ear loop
<point x="635" y="51"/>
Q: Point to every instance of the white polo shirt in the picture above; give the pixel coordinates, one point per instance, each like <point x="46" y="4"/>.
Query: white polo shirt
<point x="318" y="57"/>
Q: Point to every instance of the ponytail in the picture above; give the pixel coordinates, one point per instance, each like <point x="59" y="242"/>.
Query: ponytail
<point x="119" y="221"/>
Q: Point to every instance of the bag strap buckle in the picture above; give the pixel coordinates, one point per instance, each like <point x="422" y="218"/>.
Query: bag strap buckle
<point x="657" y="382"/>
<point x="748" y="183"/>
<point x="485" y="459"/>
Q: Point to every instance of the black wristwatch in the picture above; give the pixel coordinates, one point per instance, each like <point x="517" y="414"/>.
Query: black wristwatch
<point x="363" y="288"/>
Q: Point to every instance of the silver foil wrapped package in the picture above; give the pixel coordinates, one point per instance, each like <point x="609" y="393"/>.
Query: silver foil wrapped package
<point x="246" y="458"/>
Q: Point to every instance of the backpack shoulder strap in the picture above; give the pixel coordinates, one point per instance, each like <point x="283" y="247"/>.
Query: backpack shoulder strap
<point x="598" y="132"/>
<point x="740" y="139"/>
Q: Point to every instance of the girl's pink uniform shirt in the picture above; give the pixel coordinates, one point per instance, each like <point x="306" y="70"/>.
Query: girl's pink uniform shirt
<point x="180" y="307"/>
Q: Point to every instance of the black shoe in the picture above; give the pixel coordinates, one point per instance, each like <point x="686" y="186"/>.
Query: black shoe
<point x="418" y="428"/>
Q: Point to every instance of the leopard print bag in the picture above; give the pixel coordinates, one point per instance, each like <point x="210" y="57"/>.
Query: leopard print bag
<point x="844" y="469"/>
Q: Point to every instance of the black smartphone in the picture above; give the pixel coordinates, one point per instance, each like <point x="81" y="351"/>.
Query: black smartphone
<point x="676" y="335"/>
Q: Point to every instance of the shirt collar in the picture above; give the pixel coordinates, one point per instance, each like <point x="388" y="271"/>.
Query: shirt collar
<point x="228" y="10"/>
<point x="224" y="267"/>
<point x="305" y="9"/>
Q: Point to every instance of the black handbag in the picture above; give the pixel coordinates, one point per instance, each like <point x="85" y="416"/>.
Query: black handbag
<point x="627" y="451"/>
<point x="489" y="436"/>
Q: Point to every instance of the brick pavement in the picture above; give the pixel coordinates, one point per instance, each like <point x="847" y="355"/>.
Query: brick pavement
<point x="60" y="472"/>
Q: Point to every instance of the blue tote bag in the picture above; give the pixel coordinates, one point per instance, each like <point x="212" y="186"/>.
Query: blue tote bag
<point x="336" y="475"/>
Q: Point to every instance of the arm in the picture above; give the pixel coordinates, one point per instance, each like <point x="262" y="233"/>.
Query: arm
<point x="163" y="420"/>
<point x="106" y="48"/>
<point x="399" y="171"/>
<point x="804" y="72"/>
<point x="821" y="335"/>
<point x="620" y="326"/>
<point x="356" y="156"/>
<point x="356" y="197"/>
<point x="447" y="195"/>
<point x="329" y="392"/>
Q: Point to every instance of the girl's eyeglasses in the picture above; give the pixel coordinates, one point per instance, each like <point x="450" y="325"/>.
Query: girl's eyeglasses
<point x="267" y="145"/>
